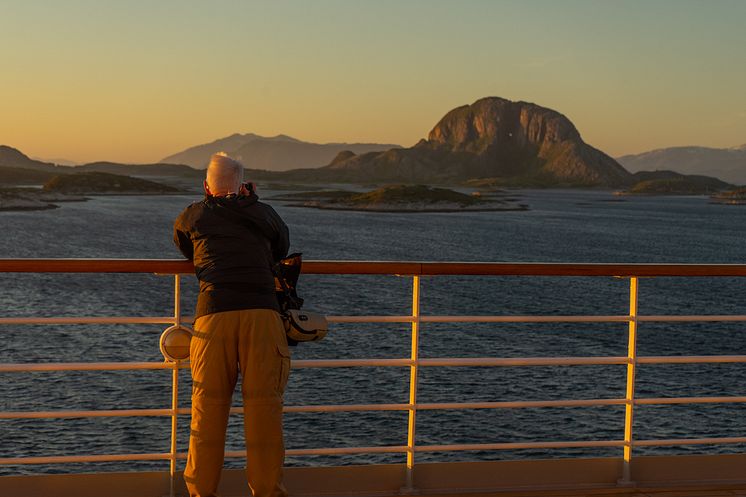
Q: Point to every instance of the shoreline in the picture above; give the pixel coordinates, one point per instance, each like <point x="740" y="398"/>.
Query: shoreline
<point x="412" y="210"/>
<point x="20" y="200"/>
<point x="47" y="207"/>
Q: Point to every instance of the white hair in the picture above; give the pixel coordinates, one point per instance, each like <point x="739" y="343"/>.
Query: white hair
<point x="224" y="175"/>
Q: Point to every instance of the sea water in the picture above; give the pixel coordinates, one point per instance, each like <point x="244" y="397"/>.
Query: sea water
<point x="562" y="226"/>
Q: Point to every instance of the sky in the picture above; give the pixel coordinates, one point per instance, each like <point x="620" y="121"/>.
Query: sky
<point x="135" y="81"/>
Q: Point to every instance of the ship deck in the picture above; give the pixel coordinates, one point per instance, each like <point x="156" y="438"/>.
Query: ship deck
<point x="654" y="476"/>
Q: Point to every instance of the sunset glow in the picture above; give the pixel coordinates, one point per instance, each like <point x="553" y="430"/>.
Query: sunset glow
<point x="137" y="81"/>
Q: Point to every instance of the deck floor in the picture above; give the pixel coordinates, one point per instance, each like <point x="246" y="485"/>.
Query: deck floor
<point x="678" y="491"/>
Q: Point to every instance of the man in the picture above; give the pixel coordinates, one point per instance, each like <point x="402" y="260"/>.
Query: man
<point x="234" y="240"/>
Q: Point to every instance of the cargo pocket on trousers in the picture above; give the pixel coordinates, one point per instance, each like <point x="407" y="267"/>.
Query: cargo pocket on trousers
<point x="284" y="368"/>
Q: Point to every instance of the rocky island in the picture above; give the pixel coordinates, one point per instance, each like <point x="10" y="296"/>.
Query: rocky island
<point x="672" y="183"/>
<point x="73" y="187"/>
<point x="32" y="199"/>
<point x="402" y="198"/>
<point x="98" y="183"/>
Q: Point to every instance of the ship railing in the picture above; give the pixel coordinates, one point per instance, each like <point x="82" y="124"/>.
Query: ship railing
<point x="413" y="270"/>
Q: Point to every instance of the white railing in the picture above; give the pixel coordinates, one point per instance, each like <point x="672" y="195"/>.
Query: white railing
<point x="414" y="362"/>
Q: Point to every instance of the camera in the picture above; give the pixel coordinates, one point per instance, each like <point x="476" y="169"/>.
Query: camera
<point x="249" y="187"/>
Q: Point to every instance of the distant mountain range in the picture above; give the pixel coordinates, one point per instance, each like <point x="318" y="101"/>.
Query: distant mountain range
<point x="59" y="161"/>
<point x="11" y="157"/>
<point x="492" y="142"/>
<point x="728" y="164"/>
<point x="16" y="168"/>
<point x="277" y="153"/>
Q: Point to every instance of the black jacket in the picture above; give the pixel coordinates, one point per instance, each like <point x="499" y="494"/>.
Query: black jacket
<point x="234" y="241"/>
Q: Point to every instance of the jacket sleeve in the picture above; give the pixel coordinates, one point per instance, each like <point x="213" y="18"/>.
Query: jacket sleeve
<point x="281" y="243"/>
<point x="182" y="239"/>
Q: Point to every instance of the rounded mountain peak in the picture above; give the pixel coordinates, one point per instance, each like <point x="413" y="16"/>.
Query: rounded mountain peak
<point x="495" y="122"/>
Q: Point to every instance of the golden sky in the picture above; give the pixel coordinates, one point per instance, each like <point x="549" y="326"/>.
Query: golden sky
<point x="136" y="81"/>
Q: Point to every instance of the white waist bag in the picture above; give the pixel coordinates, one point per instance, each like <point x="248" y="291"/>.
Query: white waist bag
<point x="305" y="326"/>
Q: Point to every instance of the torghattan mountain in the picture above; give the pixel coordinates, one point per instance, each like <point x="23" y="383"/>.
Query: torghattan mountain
<point x="515" y="143"/>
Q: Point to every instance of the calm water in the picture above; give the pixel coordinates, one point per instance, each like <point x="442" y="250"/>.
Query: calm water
<point x="563" y="226"/>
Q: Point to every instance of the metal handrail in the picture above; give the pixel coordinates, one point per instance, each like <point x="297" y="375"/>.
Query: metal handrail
<point x="408" y="268"/>
<point x="415" y="270"/>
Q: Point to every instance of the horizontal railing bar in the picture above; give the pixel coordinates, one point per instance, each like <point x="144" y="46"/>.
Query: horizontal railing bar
<point x="333" y="451"/>
<point x="347" y="363"/>
<point x="383" y="407"/>
<point x="689" y="441"/>
<point x="693" y="318"/>
<point x="451" y="405"/>
<point x="459" y="362"/>
<point x="88" y="458"/>
<point x="370" y="319"/>
<point x="316" y="408"/>
<point x="391" y="319"/>
<point x="163" y="266"/>
<point x="86" y="366"/>
<point x="570" y="269"/>
<point x="174" y="266"/>
<point x="575" y="319"/>
<point x="346" y="408"/>
<point x="523" y="361"/>
<point x="320" y="451"/>
<point x="111" y="413"/>
<point x="518" y="445"/>
<point x="91" y="320"/>
<point x="689" y="400"/>
<point x="524" y="319"/>
<point x="480" y="319"/>
<point x="521" y="404"/>
<point x="711" y="359"/>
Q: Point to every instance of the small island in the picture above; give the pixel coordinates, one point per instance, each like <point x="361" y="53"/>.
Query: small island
<point x="74" y="187"/>
<point x="98" y="183"/>
<point x="403" y="198"/>
<point x="33" y="199"/>
<point x="672" y="183"/>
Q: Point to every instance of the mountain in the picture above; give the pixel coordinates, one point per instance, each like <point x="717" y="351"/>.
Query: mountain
<point x="516" y="143"/>
<point x="728" y="164"/>
<point x="11" y="157"/>
<point x="278" y="153"/>
<point x="12" y="161"/>
<point x="58" y="161"/>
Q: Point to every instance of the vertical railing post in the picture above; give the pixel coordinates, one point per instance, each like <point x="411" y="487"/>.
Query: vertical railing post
<point x="174" y="426"/>
<point x="629" y="409"/>
<point x="413" y="371"/>
<point x="175" y="391"/>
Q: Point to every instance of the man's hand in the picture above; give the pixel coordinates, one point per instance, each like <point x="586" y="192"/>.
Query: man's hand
<point x="247" y="188"/>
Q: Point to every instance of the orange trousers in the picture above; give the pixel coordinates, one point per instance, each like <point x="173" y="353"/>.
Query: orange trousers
<point x="253" y="343"/>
